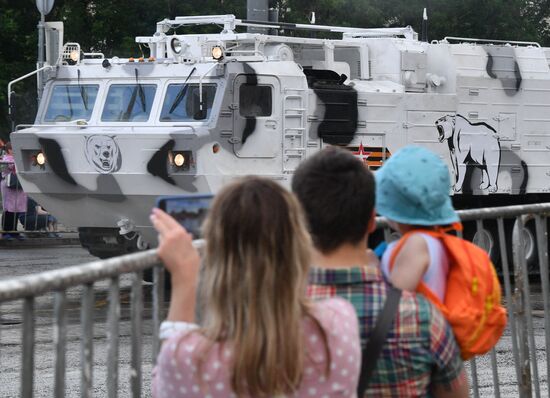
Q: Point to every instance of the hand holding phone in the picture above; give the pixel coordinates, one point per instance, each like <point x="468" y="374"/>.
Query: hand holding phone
<point x="182" y="261"/>
<point x="175" y="243"/>
<point x="188" y="210"/>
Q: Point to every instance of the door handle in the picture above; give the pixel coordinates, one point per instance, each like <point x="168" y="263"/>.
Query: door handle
<point x="271" y="123"/>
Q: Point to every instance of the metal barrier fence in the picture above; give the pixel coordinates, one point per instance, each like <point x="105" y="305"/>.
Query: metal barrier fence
<point x="29" y="288"/>
<point x="36" y="223"/>
<point x="517" y="366"/>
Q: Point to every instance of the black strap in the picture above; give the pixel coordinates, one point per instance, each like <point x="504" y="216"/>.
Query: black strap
<point x="374" y="346"/>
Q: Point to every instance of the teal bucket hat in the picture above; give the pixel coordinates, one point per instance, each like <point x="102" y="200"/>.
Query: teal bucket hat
<point x="412" y="187"/>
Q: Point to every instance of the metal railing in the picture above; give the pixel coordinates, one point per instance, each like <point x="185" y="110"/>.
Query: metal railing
<point x="30" y="287"/>
<point x="525" y="353"/>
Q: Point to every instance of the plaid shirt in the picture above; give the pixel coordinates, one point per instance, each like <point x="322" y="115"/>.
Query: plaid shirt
<point x="420" y="350"/>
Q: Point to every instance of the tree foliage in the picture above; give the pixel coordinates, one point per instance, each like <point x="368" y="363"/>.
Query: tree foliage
<point x="110" y="26"/>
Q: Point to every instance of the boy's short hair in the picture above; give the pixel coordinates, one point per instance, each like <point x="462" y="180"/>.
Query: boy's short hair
<point x="336" y="191"/>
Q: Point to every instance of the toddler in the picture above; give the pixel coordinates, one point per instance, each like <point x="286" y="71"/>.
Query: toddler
<point x="412" y="192"/>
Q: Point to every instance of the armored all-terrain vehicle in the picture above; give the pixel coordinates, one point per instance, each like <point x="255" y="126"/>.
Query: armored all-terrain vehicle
<point x="202" y="109"/>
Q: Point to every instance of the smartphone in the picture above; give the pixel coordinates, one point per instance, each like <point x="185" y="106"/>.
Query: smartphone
<point x="189" y="210"/>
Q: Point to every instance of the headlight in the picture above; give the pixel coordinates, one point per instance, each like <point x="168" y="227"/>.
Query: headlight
<point x="176" y="45"/>
<point x="40" y="159"/>
<point x="180" y="160"/>
<point x="74" y="56"/>
<point x="217" y="53"/>
<point x="37" y="159"/>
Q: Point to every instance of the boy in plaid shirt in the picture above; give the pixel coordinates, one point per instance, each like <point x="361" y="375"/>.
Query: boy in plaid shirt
<point x="420" y="357"/>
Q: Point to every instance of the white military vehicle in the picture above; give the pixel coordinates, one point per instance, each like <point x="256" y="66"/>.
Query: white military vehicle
<point x="202" y="109"/>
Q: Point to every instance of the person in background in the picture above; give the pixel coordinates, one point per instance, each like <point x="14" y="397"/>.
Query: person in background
<point x="259" y="334"/>
<point x="420" y="357"/>
<point x="36" y="219"/>
<point x="14" y="201"/>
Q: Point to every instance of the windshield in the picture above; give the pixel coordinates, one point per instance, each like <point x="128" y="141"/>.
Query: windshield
<point x="129" y="103"/>
<point x="182" y="102"/>
<point x="71" y="102"/>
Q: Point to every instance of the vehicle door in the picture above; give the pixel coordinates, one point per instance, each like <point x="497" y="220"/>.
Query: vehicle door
<point x="256" y="116"/>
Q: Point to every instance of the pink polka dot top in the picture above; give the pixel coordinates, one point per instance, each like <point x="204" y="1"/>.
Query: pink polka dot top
<point x="176" y="373"/>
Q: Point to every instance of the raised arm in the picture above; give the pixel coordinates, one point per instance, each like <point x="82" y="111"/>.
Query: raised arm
<point x="182" y="261"/>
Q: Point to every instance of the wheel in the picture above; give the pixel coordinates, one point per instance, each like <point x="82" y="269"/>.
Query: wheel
<point x="530" y="247"/>
<point x="104" y="252"/>
<point x="107" y="242"/>
<point x="487" y="240"/>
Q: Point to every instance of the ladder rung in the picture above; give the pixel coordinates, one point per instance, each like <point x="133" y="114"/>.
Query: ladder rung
<point x="295" y="149"/>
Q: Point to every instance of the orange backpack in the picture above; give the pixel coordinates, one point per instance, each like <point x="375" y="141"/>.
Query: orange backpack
<point x="472" y="299"/>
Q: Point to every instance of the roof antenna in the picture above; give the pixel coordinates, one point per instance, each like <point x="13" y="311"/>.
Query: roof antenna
<point x="425" y="26"/>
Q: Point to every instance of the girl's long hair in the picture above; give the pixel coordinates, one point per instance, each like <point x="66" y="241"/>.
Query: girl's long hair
<point x="253" y="286"/>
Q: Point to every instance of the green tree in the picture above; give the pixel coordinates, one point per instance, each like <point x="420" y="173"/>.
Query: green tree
<point x="110" y="26"/>
<point x="18" y="52"/>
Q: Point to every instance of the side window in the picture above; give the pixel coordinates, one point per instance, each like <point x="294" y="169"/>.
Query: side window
<point x="255" y="100"/>
<point x="71" y="102"/>
<point x="129" y="103"/>
<point x="182" y="102"/>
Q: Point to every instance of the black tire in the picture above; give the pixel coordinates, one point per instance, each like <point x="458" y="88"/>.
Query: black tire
<point x="531" y="249"/>
<point x="486" y="238"/>
<point x="105" y="253"/>
<point x="107" y="242"/>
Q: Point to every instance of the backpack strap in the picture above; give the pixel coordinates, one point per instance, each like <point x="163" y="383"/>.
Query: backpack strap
<point x="374" y="346"/>
<point x="471" y="273"/>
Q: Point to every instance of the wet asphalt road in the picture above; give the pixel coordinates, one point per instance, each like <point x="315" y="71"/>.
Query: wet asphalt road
<point x="18" y="262"/>
<point x="23" y="261"/>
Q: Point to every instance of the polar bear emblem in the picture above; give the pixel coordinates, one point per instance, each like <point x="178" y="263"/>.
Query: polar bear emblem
<point x="471" y="144"/>
<point x="103" y="153"/>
